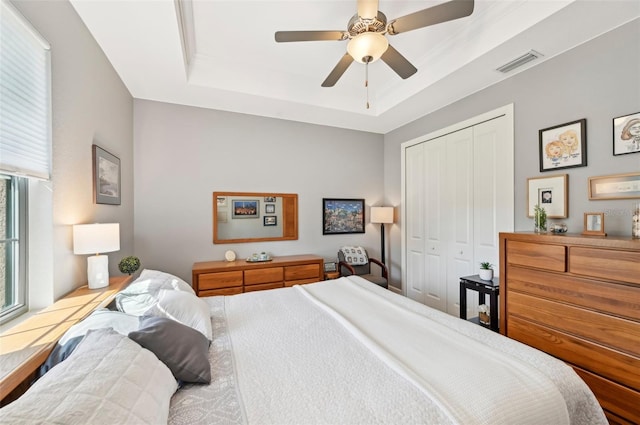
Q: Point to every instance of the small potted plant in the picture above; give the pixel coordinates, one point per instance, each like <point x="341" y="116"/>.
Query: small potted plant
<point x="486" y="270"/>
<point x="539" y="219"/>
<point x="129" y="265"/>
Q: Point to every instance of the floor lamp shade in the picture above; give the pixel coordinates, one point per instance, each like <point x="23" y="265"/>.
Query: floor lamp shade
<point x="96" y="239"/>
<point x="382" y="215"/>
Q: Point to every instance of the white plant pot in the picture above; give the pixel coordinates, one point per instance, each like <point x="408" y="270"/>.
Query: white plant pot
<point x="486" y="274"/>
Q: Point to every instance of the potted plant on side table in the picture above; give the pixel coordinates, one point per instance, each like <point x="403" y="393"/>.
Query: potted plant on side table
<point x="486" y="270"/>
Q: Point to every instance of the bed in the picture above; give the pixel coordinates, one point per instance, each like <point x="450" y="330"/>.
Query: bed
<point x="336" y="352"/>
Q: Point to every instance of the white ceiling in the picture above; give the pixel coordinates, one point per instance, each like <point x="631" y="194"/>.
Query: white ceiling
<point x="222" y="54"/>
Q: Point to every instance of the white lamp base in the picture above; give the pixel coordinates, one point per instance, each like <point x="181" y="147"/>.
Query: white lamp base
<point x="98" y="271"/>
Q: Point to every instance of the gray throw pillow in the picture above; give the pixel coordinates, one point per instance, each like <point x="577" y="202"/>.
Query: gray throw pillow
<point x="184" y="350"/>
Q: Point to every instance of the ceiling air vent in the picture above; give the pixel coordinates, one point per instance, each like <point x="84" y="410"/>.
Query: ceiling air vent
<point x="518" y="62"/>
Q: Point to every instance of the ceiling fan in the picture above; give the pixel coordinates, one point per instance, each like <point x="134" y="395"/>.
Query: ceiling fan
<point x="366" y="34"/>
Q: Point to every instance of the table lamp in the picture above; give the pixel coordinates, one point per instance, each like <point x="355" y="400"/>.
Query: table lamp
<point x="96" y="239"/>
<point x="382" y="215"/>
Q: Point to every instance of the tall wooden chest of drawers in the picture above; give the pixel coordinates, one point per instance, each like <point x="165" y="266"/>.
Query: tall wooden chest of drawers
<point x="578" y="299"/>
<point x="234" y="277"/>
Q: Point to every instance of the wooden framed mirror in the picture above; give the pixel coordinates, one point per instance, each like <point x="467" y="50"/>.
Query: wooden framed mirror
<point x="254" y="217"/>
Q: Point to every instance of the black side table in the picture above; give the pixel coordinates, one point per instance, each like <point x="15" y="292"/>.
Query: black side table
<point x="484" y="288"/>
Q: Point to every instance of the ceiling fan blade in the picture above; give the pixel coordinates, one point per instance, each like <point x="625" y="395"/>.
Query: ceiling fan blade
<point x="367" y="9"/>
<point x="398" y="63"/>
<point x="337" y="72"/>
<point x="433" y="15"/>
<point x="287" y="36"/>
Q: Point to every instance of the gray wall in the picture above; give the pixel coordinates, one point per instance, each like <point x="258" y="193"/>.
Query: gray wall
<point x="598" y="80"/>
<point x="183" y="154"/>
<point x="90" y="105"/>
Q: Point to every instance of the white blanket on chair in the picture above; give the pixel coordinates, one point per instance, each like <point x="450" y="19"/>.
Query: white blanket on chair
<point x="355" y="255"/>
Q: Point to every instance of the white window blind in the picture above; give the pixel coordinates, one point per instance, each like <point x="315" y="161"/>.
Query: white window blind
<point x="25" y="97"/>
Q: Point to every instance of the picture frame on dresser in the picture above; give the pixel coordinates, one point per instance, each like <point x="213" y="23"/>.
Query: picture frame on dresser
<point x="594" y="224"/>
<point x="563" y="146"/>
<point x="551" y="193"/>
<point x="626" y="134"/>
<point x="106" y="177"/>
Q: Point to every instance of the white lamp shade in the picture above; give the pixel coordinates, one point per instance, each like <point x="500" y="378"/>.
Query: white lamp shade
<point x="96" y="238"/>
<point x="382" y="215"/>
<point x="366" y="44"/>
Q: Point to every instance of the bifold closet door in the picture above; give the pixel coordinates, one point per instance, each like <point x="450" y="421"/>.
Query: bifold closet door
<point x="458" y="197"/>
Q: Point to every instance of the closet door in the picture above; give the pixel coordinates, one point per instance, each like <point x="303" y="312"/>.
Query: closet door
<point x="436" y="222"/>
<point x="459" y="210"/>
<point x="415" y="224"/>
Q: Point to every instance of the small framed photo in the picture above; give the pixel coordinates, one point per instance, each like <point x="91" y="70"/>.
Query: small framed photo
<point x="550" y="193"/>
<point x="270" y="220"/>
<point x="106" y="177"/>
<point x="340" y="216"/>
<point x="626" y="134"/>
<point x="269" y="208"/>
<point x="594" y="224"/>
<point x="269" y="199"/>
<point x="246" y="208"/>
<point x="563" y="146"/>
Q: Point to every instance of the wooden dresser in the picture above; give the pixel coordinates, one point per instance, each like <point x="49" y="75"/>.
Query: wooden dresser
<point x="578" y="299"/>
<point x="234" y="277"/>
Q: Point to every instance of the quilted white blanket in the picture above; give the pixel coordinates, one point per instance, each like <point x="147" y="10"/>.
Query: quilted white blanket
<point x="348" y="352"/>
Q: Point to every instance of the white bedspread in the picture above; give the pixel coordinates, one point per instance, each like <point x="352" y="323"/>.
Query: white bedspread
<point x="348" y="352"/>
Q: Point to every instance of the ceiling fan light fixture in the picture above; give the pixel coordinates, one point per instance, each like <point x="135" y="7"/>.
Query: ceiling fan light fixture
<point x="367" y="46"/>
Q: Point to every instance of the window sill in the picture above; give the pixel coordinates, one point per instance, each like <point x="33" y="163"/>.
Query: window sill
<point x="27" y="343"/>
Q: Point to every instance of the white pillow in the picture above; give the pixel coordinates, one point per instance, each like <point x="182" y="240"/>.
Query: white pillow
<point x="185" y="308"/>
<point x="120" y="322"/>
<point x="109" y="379"/>
<point x="142" y="294"/>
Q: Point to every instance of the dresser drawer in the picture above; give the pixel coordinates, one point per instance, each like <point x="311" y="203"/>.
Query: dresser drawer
<point x="262" y="286"/>
<point x="622" y="266"/>
<point x="546" y="257"/>
<point x="611" y="364"/>
<point x="607" y="297"/>
<point x="307" y="271"/>
<point x="266" y="275"/>
<point x="300" y="281"/>
<point x="614" y="398"/>
<point x="224" y="291"/>
<point x="607" y="330"/>
<point x="219" y="280"/>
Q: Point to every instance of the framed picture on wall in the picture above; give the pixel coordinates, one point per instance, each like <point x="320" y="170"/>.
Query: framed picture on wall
<point x="269" y="208"/>
<point x="550" y="193"/>
<point x="270" y="220"/>
<point x="340" y="216"/>
<point x="615" y="186"/>
<point x="563" y="146"/>
<point x="106" y="177"/>
<point x="626" y="134"/>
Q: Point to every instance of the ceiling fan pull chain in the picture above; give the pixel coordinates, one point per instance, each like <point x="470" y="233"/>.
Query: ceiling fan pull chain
<point x="366" y="81"/>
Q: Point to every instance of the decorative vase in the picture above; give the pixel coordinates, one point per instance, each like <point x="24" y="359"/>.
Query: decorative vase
<point x="486" y="274"/>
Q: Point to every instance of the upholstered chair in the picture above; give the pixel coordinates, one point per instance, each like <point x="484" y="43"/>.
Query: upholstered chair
<point x="354" y="260"/>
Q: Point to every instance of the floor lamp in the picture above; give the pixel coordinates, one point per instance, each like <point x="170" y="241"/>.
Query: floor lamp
<point x="382" y="215"/>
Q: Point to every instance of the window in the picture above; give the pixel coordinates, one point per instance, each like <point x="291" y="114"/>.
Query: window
<point x="13" y="236"/>
<point x="25" y="146"/>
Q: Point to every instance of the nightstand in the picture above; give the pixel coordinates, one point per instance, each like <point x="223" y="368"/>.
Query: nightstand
<point x="484" y="288"/>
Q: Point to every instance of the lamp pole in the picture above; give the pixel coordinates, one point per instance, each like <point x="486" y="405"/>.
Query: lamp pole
<point x="382" y="243"/>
